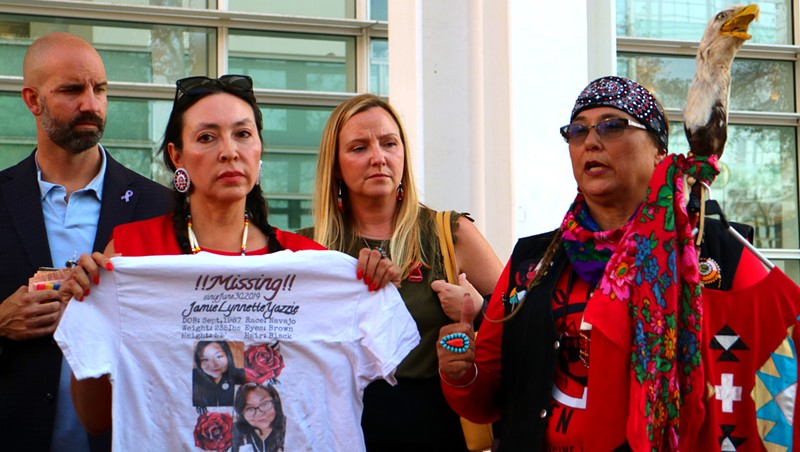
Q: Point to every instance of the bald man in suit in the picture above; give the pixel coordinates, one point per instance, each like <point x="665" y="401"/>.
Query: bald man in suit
<point x="61" y="201"/>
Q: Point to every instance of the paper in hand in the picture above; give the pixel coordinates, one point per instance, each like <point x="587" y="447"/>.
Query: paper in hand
<point x="47" y="278"/>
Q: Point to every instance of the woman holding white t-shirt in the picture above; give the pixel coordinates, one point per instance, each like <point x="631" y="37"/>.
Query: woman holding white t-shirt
<point x="213" y="144"/>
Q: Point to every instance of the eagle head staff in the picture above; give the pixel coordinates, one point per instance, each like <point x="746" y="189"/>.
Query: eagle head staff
<point x="727" y="31"/>
<point x="706" y="112"/>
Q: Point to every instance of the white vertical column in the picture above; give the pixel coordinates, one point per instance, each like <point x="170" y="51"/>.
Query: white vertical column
<point x="406" y="87"/>
<point x="449" y="107"/>
<point x="602" y="28"/>
<point x="548" y="71"/>
<point x="483" y="86"/>
<point x="498" y="195"/>
<point x="461" y="103"/>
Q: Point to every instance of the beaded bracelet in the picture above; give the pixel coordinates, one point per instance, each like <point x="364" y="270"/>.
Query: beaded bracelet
<point x="441" y="375"/>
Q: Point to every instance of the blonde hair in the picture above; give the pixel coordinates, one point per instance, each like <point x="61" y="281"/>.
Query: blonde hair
<point x="330" y="225"/>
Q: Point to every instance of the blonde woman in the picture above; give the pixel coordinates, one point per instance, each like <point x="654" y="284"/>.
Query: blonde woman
<point x="366" y="205"/>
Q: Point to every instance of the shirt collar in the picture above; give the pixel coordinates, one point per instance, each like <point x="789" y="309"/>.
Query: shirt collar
<point x="95" y="185"/>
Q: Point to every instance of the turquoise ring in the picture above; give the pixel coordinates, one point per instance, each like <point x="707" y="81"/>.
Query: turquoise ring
<point x="456" y="343"/>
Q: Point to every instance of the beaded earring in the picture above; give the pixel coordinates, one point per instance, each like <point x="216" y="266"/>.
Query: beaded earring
<point x="181" y="180"/>
<point x="339" y="200"/>
<point x="400" y="193"/>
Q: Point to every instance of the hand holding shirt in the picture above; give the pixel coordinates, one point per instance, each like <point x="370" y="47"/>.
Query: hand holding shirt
<point x="331" y="334"/>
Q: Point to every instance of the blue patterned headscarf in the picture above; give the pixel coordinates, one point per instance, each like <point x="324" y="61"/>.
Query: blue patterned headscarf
<point x="628" y="96"/>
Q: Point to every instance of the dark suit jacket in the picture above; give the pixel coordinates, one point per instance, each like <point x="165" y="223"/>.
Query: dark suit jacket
<point x="29" y="370"/>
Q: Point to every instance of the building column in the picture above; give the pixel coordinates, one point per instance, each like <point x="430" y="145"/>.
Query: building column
<point x="483" y="86"/>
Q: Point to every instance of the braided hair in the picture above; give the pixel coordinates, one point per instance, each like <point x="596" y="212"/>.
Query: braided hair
<point x="543" y="268"/>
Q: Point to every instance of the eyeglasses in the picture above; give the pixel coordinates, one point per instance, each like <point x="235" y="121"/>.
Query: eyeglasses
<point x="609" y="129"/>
<point x="263" y="407"/>
<point x="195" y="86"/>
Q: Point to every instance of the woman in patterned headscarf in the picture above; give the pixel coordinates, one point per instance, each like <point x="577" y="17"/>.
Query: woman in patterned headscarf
<point x="617" y="275"/>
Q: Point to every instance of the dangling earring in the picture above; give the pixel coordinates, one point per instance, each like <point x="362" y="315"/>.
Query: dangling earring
<point x="260" y="164"/>
<point x="181" y="180"/>
<point x="400" y="193"/>
<point x="339" y="200"/>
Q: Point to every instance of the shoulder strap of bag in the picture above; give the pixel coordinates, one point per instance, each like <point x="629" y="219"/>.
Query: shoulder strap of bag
<point x="446" y="244"/>
<point x="477" y="436"/>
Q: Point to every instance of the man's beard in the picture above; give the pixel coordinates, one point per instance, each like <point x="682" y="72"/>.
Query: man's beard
<point x="66" y="137"/>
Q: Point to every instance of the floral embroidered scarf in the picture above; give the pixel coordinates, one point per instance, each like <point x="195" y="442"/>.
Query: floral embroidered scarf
<point x="588" y="248"/>
<point x="648" y="304"/>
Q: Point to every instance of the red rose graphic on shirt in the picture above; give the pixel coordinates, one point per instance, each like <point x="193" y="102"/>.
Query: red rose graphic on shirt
<point x="214" y="431"/>
<point x="263" y="362"/>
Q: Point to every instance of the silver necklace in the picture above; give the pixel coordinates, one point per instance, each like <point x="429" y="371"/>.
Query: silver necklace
<point x="381" y="248"/>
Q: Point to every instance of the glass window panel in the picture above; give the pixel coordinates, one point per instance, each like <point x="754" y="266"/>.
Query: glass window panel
<point x="294" y="127"/>
<point x="337" y="9"/>
<point x="11" y="154"/>
<point x="790" y="267"/>
<point x="196" y="4"/>
<point x="141" y="160"/>
<point x="286" y="172"/>
<point x="131" y="52"/>
<point x="687" y="19"/>
<point x="12" y="52"/>
<point x="17" y="130"/>
<point x="756" y="85"/>
<point x="294" y="61"/>
<point x="290" y="214"/>
<point x="134" y="128"/>
<point x="16" y="121"/>
<point x="379" y="9"/>
<point x="379" y="67"/>
<point x="757" y="183"/>
<point x="291" y="140"/>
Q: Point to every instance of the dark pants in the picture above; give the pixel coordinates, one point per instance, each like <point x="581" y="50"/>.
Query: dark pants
<point x="411" y="416"/>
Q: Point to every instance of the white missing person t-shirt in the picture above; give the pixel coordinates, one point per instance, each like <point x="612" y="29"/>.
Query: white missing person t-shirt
<point x="181" y="337"/>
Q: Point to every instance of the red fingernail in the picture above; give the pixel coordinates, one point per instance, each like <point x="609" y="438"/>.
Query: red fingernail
<point x="88" y="291"/>
<point x="80" y="299"/>
<point x="109" y="266"/>
<point x="359" y="273"/>
<point x="367" y="279"/>
<point x="96" y="280"/>
<point x="373" y="287"/>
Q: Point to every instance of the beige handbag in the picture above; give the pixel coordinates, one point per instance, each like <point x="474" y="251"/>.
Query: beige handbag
<point x="477" y="436"/>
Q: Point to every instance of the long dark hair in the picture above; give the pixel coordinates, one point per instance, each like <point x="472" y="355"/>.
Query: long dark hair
<point x="275" y="440"/>
<point x="201" y="346"/>
<point x="255" y="203"/>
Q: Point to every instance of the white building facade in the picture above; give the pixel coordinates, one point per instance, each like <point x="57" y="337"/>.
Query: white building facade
<point x="482" y="85"/>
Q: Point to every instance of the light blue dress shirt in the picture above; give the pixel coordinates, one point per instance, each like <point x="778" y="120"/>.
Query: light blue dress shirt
<point x="71" y="229"/>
